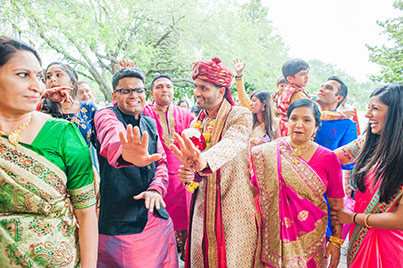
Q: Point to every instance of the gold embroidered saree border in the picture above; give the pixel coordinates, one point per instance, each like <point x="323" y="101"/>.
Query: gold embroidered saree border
<point x="83" y="197"/>
<point x="33" y="166"/>
<point x="360" y="231"/>
<point x="37" y="208"/>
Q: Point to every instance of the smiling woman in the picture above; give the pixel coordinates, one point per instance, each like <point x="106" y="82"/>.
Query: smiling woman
<point x="45" y="180"/>
<point x="376" y="236"/>
<point x="295" y="183"/>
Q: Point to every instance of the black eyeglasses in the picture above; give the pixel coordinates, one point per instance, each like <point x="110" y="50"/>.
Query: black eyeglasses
<point x="128" y="91"/>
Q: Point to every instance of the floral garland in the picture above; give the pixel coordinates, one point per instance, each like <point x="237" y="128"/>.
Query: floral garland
<point x="209" y="128"/>
<point x="201" y="140"/>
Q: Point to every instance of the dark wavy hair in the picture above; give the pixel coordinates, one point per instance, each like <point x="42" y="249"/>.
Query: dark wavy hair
<point x="9" y="46"/>
<point x="384" y="151"/>
<point x="54" y="108"/>
<point x="264" y="97"/>
<point x="70" y="72"/>
<point x="306" y="103"/>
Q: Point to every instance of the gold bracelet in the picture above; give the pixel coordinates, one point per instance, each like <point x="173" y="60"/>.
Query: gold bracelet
<point x="336" y="240"/>
<point x="366" y="221"/>
<point x="336" y="245"/>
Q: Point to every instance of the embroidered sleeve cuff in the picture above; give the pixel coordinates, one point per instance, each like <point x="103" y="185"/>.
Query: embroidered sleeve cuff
<point x="83" y="197"/>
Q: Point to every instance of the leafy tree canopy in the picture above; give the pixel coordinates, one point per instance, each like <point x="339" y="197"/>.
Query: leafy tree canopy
<point x="164" y="36"/>
<point x="390" y="58"/>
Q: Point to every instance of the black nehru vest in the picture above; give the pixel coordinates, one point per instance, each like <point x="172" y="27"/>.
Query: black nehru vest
<point x="119" y="213"/>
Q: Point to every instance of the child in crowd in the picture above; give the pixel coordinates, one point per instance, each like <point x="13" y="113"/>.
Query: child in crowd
<point x="295" y="71"/>
<point x="281" y="85"/>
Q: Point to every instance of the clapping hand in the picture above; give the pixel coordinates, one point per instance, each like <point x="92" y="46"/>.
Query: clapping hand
<point x="135" y="148"/>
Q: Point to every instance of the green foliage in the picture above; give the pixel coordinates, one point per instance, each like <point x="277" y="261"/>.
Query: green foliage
<point x="164" y="36"/>
<point x="390" y="58"/>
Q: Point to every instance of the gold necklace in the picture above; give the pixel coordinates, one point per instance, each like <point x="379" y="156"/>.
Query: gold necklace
<point x="298" y="150"/>
<point x="14" y="137"/>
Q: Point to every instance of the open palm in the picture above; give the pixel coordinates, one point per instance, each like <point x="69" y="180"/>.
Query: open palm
<point x="135" y="147"/>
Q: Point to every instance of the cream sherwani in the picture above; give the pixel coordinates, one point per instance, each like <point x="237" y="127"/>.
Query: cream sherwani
<point x="228" y="159"/>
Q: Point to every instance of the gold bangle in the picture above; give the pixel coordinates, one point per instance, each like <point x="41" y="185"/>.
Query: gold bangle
<point x="337" y="245"/>
<point x="366" y="220"/>
<point x="336" y="240"/>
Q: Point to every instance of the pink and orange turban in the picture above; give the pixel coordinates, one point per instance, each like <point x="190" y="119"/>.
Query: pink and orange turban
<point x="215" y="72"/>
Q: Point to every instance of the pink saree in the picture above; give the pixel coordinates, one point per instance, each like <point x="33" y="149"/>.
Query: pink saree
<point x="292" y="208"/>
<point x="374" y="247"/>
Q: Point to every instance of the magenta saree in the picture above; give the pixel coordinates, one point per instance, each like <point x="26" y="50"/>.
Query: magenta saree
<point x="292" y="208"/>
<point x="374" y="247"/>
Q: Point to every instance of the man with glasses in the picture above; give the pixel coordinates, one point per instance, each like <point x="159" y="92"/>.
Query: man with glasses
<point x="134" y="228"/>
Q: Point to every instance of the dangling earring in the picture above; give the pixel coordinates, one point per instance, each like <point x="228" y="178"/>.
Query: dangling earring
<point x="313" y="136"/>
<point x="263" y="108"/>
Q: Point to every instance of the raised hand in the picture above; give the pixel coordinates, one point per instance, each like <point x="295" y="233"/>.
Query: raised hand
<point x="59" y="94"/>
<point x="187" y="153"/>
<point x="125" y="63"/>
<point x="135" y="148"/>
<point x="239" y="66"/>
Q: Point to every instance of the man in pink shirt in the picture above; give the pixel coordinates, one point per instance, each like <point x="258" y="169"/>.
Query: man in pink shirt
<point x="171" y="119"/>
<point x="134" y="228"/>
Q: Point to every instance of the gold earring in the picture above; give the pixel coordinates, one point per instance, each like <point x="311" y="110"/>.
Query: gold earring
<point x="313" y="136"/>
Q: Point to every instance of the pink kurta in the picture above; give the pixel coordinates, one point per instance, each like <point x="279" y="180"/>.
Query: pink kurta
<point x="177" y="198"/>
<point x="155" y="246"/>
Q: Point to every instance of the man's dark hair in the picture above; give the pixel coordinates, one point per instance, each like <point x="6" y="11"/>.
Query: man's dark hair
<point x="127" y="72"/>
<point x="343" y="90"/>
<point x="158" y="77"/>
<point x="293" y="66"/>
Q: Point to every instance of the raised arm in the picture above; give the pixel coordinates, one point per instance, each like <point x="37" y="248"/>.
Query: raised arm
<point x="239" y="66"/>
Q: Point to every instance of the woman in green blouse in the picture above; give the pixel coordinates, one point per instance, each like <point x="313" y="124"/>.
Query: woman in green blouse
<point x="47" y="199"/>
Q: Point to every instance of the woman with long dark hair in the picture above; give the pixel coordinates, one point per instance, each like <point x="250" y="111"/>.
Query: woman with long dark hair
<point x="376" y="237"/>
<point x="263" y="123"/>
<point x="265" y="126"/>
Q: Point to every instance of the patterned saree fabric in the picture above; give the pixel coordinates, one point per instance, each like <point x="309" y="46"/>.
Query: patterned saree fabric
<point x="375" y="248"/>
<point x="37" y="196"/>
<point x="291" y="205"/>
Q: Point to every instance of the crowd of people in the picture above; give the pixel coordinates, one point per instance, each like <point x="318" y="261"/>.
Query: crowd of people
<point x="262" y="181"/>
